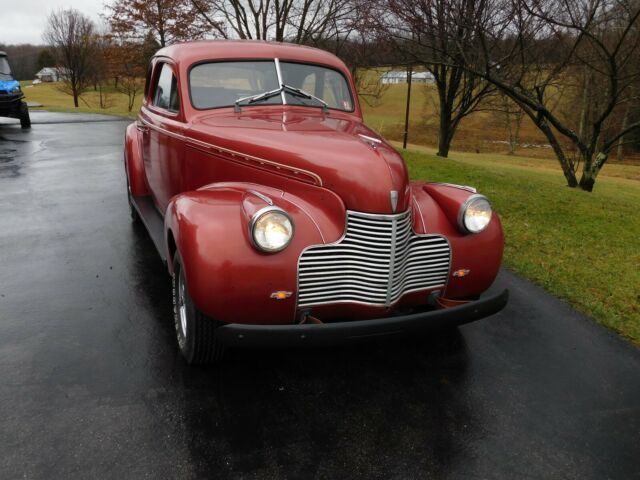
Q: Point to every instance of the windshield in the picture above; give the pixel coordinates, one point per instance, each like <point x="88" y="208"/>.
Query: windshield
<point x="221" y="84"/>
<point x="5" y="71"/>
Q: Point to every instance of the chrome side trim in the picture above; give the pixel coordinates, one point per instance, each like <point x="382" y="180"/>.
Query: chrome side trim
<point x="262" y="197"/>
<point x="236" y="156"/>
<point x="461" y="187"/>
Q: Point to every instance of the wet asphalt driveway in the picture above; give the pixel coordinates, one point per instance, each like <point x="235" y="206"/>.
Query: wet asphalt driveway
<point x="92" y="385"/>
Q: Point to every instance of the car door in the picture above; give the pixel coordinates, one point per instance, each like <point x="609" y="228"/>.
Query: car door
<point x="163" y="127"/>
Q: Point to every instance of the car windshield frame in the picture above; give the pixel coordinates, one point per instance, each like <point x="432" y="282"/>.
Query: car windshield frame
<point x="276" y="62"/>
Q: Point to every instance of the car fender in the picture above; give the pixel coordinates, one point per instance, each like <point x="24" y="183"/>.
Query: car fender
<point x="228" y="278"/>
<point x="134" y="163"/>
<point x="475" y="258"/>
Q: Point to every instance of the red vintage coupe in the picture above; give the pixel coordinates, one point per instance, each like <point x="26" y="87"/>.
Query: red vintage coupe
<point x="283" y="219"/>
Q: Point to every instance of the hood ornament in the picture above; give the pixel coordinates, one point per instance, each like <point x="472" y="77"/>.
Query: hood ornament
<point x="394" y="200"/>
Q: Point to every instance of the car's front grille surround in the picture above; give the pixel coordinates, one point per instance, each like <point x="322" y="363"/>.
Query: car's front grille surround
<point x="377" y="261"/>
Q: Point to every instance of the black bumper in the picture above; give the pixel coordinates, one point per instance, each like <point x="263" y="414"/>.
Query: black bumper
<point x="342" y="333"/>
<point x="10" y="104"/>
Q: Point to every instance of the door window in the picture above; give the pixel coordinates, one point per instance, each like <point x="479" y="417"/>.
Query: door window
<point x="166" y="92"/>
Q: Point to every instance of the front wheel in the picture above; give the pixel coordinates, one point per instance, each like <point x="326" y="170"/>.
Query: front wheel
<point x="25" y="119"/>
<point x="195" y="332"/>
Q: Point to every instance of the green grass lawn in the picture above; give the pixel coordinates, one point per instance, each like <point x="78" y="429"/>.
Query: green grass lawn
<point x="582" y="247"/>
<point x="53" y="100"/>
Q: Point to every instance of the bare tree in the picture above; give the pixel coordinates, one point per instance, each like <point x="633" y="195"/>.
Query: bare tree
<point x="431" y="33"/>
<point x="169" y="21"/>
<point x="511" y="116"/>
<point x="298" y="21"/>
<point x="531" y="50"/>
<point x="72" y="38"/>
<point x="128" y="61"/>
<point x="100" y="71"/>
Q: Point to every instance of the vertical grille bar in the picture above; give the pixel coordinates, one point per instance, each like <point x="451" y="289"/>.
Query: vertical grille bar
<point x="392" y="259"/>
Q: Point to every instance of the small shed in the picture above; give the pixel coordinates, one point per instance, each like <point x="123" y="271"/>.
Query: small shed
<point x="51" y="74"/>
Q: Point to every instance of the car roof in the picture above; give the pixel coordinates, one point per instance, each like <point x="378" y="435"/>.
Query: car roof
<point x="192" y="52"/>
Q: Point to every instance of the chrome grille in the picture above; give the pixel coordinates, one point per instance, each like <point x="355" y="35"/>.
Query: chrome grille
<point x="378" y="260"/>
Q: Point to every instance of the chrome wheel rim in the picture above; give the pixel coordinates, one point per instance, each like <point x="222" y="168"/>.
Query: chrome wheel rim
<point x="182" y="307"/>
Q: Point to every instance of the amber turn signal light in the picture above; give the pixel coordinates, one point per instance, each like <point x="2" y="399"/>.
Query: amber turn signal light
<point x="463" y="272"/>
<point x="280" y="295"/>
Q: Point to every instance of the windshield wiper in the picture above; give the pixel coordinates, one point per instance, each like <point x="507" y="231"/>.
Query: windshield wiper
<point x="256" y="98"/>
<point x="272" y="93"/>
<point x="307" y="95"/>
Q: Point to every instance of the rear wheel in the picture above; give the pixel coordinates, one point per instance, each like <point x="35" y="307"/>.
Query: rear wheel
<point x="23" y="114"/>
<point x="195" y="332"/>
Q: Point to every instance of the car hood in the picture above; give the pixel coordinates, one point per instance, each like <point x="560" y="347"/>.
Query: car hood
<point x="9" y="85"/>
<point x="350" y="159"/>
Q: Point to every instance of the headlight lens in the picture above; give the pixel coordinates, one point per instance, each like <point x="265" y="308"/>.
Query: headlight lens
<point x="475" y="214"/>
<point x="16" y="89"/>
<point x="271" y="229"/>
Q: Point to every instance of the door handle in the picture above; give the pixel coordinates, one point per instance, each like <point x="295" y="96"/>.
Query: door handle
<point x="142" y="128"/>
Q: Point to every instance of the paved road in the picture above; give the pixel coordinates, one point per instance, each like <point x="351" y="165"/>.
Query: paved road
<point x="92" y="385"/>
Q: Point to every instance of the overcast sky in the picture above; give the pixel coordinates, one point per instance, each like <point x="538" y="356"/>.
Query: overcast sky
<point x="23" y="21"/>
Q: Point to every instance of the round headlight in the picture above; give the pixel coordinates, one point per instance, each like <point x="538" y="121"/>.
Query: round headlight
<point x="271" y="229"/>
<point x="475" y="214"/>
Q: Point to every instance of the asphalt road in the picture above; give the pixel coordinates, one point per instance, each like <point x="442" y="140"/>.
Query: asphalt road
<point x="92" y="384"/>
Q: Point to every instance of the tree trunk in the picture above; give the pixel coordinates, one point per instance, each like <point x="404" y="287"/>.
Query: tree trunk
<point x="585" y="104"/>
<point x="445" y="134"/>
<point x="516" y="135"/>
<point x="444" y="143"/>
<point x="625" y="122"/>
<point x="591" y="170"/>
<point x="512" y="143"/>
<point x="568" y="172"/>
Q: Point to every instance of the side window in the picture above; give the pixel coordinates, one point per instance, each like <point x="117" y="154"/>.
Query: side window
<point x="166" y="92"/>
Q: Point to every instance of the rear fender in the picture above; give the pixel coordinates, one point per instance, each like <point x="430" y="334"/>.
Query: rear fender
<point x="435" y="208"/>
<point x="134" y="163"/>
<point x="227" y="277"/>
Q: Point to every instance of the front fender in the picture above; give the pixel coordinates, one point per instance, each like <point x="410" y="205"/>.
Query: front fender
<point x="228" y="279"/>
<point x="435" y="211"/>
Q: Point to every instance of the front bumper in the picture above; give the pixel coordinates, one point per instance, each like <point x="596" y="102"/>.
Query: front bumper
<point x="10" y="104"/>
<point x="342" y="333"/>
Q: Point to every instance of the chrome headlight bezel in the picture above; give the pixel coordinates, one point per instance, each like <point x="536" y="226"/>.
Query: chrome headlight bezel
<point x="254" y="223"/>
<point x="462" y="213"/>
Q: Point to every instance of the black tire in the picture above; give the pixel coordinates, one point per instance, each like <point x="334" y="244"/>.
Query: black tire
<point x="197" y="335"/>
<point x="23" y="114"/>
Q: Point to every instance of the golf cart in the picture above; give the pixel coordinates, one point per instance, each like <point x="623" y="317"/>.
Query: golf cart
<point x="11" y="103"/>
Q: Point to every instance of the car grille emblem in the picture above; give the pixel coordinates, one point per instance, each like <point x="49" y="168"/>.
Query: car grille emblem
<point x="394" y="200"/>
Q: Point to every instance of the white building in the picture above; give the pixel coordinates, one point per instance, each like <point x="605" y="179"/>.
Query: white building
<point x="393" y="77"/>
<point x="51" y="74"/>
